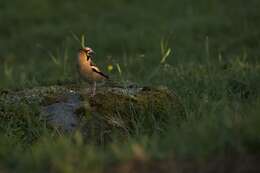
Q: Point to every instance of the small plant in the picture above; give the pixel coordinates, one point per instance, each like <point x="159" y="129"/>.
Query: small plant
<point x="81" y="41"/>
<point x="165" y="53"/>
<point x="8" y="71"/>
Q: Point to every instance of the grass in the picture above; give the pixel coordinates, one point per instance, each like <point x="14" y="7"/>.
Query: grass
<point x="207" y="51"/>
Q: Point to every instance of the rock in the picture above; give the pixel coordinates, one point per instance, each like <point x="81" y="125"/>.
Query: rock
<point x="62" y="114"/>
<point x="113" y="110"/>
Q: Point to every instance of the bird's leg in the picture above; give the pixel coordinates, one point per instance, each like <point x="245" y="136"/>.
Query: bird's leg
<point x="94" y="89"/>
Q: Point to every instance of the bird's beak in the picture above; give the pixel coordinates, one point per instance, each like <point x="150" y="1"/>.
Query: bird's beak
<point x="92" y="53"/>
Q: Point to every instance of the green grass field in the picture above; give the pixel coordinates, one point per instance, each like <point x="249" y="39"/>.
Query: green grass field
<point x="214" y="67"/>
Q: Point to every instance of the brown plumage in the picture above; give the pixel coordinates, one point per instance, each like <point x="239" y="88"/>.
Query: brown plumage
<point x="87" y="70"/>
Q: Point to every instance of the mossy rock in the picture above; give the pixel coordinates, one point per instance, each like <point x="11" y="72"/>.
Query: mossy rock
<point x="146" y="100"/>
<point x="112" y="111"/>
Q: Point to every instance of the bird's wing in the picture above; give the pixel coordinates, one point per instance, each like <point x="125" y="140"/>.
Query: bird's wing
<point x="96" y="70"/>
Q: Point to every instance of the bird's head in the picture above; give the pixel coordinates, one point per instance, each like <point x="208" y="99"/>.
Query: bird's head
<point x="88" y="52"/>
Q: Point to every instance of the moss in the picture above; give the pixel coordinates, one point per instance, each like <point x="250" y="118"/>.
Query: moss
<point x="121" y="112"/>
<point x="111" y="111"/>
<point x="159" y="100"/>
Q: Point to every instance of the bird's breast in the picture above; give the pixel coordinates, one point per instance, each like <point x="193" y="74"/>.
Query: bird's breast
<point x="86" y="71"/>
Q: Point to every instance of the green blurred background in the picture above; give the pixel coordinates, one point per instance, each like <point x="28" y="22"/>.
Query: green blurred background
<point x="121" y="31"/>
<point x="214" y="67"/>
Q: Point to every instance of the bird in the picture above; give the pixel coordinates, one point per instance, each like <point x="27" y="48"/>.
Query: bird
<point x="88" y="71"/>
